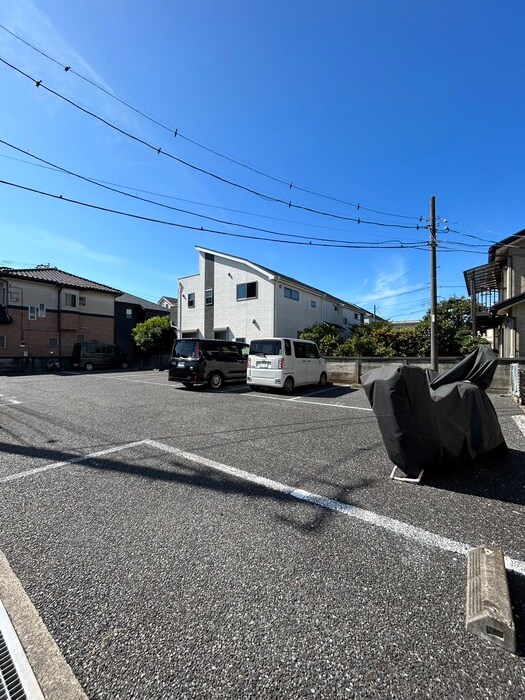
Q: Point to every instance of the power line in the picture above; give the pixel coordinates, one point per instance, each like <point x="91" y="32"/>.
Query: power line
<point x="54" y="166"/>
<point x="201" y="229"/>
<point x="176" y="132"/>
<point x="220" y="178"/>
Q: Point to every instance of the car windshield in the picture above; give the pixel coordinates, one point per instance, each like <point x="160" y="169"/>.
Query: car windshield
<point x="186" y="348"/>
<point x="265" y="347"/>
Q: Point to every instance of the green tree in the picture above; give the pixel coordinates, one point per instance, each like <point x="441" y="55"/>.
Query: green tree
<point x="327" y="337"/>
<point x="154" y="336"/>
<point x="453" y="329"/>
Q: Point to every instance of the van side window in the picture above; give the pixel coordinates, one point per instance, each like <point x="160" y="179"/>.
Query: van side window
<point x="311" y="351"/>
<point x="299" y="350"/>
<point x="287" y="347"/>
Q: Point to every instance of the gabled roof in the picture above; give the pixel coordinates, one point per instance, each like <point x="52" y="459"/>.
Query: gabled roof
<point x="171" y="300"/>
<point x="509" y="241"/>
<point x="144" y="303"/>
<point x="277" y="275"/>
<point x="56" y="277"/>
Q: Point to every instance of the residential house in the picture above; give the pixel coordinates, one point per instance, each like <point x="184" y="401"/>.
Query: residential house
<point x="232" y="298"/>
<point x="130" y="310"/>
<point x="170" y="303"/>
<point x="45" y="311"/>
<point x="497" y="292"/>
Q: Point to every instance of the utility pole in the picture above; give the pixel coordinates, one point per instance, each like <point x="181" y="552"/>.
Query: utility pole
<point x="433" y="286"/>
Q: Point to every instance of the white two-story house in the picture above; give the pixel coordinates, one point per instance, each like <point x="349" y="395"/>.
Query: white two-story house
<point x="232" y="298"/>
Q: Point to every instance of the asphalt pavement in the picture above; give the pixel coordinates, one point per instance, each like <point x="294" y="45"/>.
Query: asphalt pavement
<point x="186" y="543"/>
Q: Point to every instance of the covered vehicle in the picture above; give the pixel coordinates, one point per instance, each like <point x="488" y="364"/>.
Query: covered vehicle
<point x="430" y="420"/>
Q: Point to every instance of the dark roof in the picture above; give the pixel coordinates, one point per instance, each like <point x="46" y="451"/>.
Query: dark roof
<point x="56" y="277"/>
<point x="503" y="306"/>
<point x="483" y="278"/>
<point x="506" y="241"/>
<point x="149" y="305"/>
<point x="170" y="300"/>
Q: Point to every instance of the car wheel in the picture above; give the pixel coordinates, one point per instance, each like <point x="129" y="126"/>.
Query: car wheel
<point x="89" y="366"/>
<point x="187" y="385"/>
<point x="323" y="379"/>
<point x="288" y="385"/>
<point x="215" y="381"/>
<point x="253" y="388"/>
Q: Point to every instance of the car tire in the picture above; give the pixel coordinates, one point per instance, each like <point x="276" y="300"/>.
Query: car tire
<point x="215" y="380"/>
<point x="323" y="379"/>
<point x="188" y="385"/>
<point x="253" y="388"/>
<point x="288" y="385"/>
<point x="89" y="366"/>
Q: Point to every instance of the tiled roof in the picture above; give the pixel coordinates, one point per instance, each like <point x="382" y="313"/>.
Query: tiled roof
<point x="56" y="277"/>
<point x="131" y="299"/>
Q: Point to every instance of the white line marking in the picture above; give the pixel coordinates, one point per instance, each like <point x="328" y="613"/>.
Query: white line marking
<point x="397" y="527"/>
<point x="73" y="460"/>
<point x="303" y="399"/>
<point x="520" y="422"/>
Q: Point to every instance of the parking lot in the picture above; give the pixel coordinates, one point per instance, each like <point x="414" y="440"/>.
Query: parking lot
<point x="184" y="543"/>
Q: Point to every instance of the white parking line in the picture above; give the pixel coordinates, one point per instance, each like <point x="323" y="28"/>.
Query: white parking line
<point x="304" y="399"/>
<point x="73" y="460"/>
<point x="396" y="527"/>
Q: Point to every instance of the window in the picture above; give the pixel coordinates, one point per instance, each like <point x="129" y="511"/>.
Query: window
<point x="129" y="314"/>
<point x="356" y="316"/>
<point x="345" y="320"/>
<point x="31" y="313"/>
<point x="3" y="341"/>
<point x="52" y="342"/>
<point x="70" y="300"/>
<point x="82" y="301"/>
<point x="240" y="340"/>
<point x="291" y="294"/>
<point x="42" y="310"/>
<point x="299" y="349"/>
<point x="313" y="304"/>
<point x="287" y="347"/>
<point x="191" y="300"/>
<point x="208" y="296"/>
<point x="220" y="335"/>
<point x="247" y="291"/>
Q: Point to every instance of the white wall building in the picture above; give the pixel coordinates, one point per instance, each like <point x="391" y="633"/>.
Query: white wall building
<point x="234" y="299"/>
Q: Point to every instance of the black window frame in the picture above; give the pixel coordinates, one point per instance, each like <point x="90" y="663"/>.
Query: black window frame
<point x="246" y="286"/>
<point x="191" y="300"/>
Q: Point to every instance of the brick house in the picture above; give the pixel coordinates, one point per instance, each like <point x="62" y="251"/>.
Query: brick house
<point x="45" y="310"/>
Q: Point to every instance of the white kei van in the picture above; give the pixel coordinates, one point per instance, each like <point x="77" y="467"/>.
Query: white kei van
<point x="284" y="363"/>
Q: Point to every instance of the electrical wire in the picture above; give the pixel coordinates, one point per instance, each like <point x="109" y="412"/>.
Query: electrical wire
<point x="176" y="132"/>
<point x="97" y="183"/>
<point x="193" y="166"/>
<point x="201" y="229"/>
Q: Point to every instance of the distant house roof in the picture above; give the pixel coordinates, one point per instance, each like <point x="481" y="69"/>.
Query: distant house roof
<point x="144" y="303"/>
<point x="285" y="278"/>
<point x="56" y="277"/>
<point x="171" y="300"/>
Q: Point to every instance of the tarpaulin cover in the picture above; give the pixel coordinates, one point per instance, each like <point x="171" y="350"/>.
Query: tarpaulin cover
<point x="429" y="420"/>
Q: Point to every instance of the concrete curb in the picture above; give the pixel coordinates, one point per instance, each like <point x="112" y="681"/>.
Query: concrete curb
<point x="54" y="675"/>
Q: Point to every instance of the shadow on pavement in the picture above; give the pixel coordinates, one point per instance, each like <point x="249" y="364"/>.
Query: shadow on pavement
<point x="517" y="599"/>
<point x="500" y="479"/>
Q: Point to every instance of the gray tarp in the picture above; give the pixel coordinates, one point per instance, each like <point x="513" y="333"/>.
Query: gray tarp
<point x="427" y="420"/>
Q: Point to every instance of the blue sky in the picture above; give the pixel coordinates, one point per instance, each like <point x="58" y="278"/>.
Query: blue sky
<point x="380" y="104"/>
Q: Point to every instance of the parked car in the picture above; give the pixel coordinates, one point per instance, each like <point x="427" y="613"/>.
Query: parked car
<point x="285" y="363"/>
<point x="200" y="361"/>
<point x="88" y="356"/>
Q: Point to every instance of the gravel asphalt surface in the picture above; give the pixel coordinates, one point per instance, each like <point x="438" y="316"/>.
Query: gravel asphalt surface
<point x="165" y="566"/>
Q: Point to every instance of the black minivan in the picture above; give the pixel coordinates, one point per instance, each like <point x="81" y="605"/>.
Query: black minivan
<point x="200" y="361"/>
